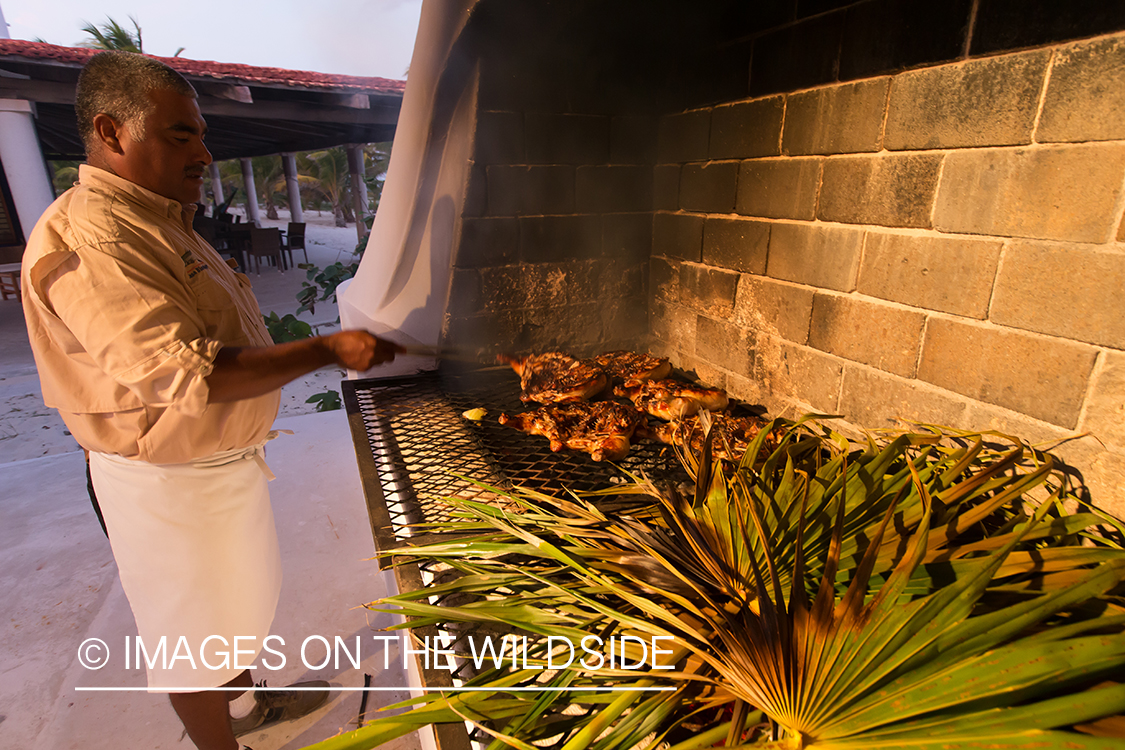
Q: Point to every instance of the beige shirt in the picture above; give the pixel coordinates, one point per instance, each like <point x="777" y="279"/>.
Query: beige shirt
<point x="126" y="308"/>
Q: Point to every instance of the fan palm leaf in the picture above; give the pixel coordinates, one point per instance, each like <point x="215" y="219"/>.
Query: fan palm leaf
<point x="894" y="594"/>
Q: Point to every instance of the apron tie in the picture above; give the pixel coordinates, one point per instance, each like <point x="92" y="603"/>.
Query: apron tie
<point x="258" y="453"/>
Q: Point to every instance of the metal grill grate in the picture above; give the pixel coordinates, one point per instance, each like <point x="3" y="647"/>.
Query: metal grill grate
<point x="414" y="447"/>
<point x="420" y="446"/>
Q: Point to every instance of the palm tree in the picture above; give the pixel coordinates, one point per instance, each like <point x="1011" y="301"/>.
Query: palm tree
<point x="112" y="35"/>
<point x="378" y="160"/>
<point x="230" y="174"/>
<point x="326" y="172"/>
<point x="269" y="180"/>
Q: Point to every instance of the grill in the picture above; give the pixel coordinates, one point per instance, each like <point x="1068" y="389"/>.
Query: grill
<point x="414" y="447"/>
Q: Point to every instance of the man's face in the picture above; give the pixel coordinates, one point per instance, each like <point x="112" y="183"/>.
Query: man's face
<point x="171" y="159"/>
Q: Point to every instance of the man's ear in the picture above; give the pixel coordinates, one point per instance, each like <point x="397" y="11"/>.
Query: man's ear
<point x="109" y="132"/>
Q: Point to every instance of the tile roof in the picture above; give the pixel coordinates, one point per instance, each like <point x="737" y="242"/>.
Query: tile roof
<point x="219" y="71"/>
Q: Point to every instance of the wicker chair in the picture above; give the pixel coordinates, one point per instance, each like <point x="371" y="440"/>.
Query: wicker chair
<point x="10" y="280"/>
<point x="296" y="239"/>
<point x="265" y="243"/>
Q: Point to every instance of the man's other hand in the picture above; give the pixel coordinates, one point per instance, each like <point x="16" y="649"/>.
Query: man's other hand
<point x="359" y="350"/>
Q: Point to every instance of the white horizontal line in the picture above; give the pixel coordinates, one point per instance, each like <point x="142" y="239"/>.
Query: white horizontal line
<point x="383" y="689"/>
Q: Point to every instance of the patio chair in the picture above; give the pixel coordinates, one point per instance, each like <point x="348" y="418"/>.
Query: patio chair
<point x="10" y="280"/>
<point x="208" y="229"/>
<point x="236" y="242"/>
<point x="297" y="239"/>
<point x="266" y="243"/>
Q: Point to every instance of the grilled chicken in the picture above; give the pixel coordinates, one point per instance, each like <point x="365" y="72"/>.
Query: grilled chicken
<point x="602" y="429"/>
<point x="732" y="436"/>
<point x="556" y="378"/>
<point x="632" y="368"/>
<point x="672" y="399"/>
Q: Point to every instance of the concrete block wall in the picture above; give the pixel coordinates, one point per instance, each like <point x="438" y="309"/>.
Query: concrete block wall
<point x="556" y="234"/>
<point x="940" y="244"/>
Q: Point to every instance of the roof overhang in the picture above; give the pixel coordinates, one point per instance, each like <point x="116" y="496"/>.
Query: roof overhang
<point x="250" y="111"/>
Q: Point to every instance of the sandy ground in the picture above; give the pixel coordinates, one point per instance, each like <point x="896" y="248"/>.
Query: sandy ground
<point x="28" y="429"/>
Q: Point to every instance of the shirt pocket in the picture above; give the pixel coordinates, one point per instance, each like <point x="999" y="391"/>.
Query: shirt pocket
<point x="209" y="292"/>
<point x="217" y="310"/>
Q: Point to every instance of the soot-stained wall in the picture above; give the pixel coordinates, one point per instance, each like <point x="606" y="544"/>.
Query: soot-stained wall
<point x="881" y="209"/>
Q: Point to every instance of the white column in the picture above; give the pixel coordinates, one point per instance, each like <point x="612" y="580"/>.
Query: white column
<point x="216" y="183"/>
<point x="359" y="188"/>
<point x="252" y="213"/>
<point x="293" y="187"/>
<point x="23" y="162"/>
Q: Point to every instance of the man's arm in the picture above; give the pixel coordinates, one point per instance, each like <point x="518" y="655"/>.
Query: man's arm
<point x="246" y="372"/>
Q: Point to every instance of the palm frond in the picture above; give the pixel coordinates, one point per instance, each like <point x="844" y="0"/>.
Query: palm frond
<point x="903" y="592"/>
<point x="113" y="36"/>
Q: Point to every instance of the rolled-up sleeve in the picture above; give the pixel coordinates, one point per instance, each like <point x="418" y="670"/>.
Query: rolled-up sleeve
<point x="137" y="321"/>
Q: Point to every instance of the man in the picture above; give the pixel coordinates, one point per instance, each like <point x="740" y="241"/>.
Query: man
<point x="156" y="356"/>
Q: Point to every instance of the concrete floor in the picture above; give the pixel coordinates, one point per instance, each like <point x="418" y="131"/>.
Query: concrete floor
<point x="62" y="588"/>
<point x="61" y="584"/>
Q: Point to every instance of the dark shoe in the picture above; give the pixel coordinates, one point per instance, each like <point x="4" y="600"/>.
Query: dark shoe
<point x="273" y="706"/>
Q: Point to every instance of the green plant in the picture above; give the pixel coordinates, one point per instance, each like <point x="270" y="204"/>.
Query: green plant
<point x="926" y="589"/>
<point x="288" y="328"/>
<point x="327" y="401"/>
<point x="324" y="283"/>
<point x="64" y="175"/>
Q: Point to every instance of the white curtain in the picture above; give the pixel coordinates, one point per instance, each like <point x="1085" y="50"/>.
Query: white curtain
<point x="402" y="285"/>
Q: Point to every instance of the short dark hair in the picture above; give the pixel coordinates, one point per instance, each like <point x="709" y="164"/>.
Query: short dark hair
<point x="118" y="84"/>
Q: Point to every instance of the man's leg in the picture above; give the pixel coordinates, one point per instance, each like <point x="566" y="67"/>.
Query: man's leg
<point x="206" y="715"/>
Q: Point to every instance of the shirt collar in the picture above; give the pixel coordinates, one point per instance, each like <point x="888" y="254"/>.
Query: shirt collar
<point x="95" y="177"/>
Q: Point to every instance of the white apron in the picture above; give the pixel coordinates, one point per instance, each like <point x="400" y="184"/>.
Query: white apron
<point x="197" y="551"/>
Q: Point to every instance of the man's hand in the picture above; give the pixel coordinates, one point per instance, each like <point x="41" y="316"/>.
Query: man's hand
<point x="359" y="350"/>
<point x="254" y="371"/>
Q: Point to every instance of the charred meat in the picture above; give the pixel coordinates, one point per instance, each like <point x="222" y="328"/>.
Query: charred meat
<point x="632" y="368"/>
<point x="673" y="399"/>
<point x="602" y="429"/>
<point x="556" y="378"/>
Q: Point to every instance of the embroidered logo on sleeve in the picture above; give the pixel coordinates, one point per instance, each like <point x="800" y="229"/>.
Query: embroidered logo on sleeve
<point x="193" y="265"/>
